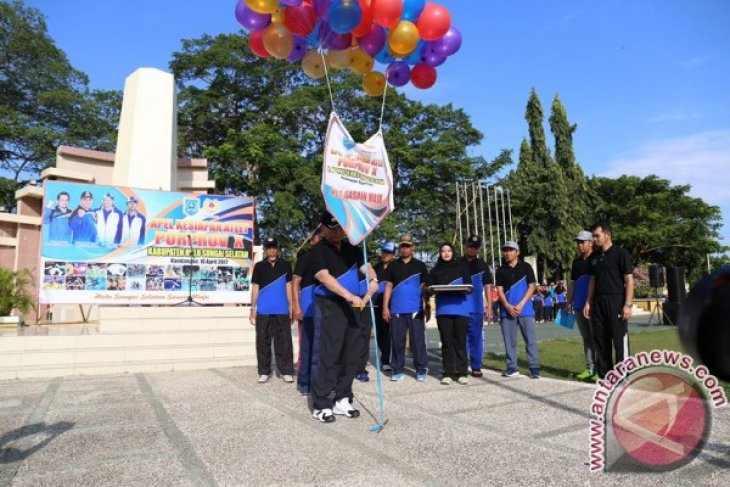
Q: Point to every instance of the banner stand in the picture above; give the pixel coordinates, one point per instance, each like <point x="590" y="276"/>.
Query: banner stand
<point x="376" y="428"/>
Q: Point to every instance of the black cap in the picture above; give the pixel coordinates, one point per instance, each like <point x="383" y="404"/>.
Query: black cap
<point x="270" y="242"/>
<point x="85" y="194"/>
<point x="328" y="220"/>
<point x="132" y="199"/>
<point x="474" y="241"/>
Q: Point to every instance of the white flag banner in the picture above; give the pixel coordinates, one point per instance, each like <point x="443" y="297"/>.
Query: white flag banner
<point x="357" y="182"/>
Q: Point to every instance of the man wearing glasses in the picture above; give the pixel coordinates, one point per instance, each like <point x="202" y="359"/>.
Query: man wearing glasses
<point x="515" y="282"/>
<point x="610" y="296"/>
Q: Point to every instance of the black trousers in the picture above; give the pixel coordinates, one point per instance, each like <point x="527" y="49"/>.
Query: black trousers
<point x="539" y="314"/>
<point x="609" y="331"/>
<point x="278" y="328"/>
<point x="383" y="334"/>
<point x="453" y="330"/>
<point x="340" y="349"/>
<point x="366" y="323"/>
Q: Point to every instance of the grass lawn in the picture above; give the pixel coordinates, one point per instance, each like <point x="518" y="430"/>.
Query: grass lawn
<point x="563" y="358"/>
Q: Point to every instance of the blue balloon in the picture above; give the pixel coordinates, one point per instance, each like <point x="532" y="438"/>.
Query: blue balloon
<point x="344" y="15"/>
<point x="384" y="56"/>
<point x="313" y="39"/>
<point x="412" y="9"/>
<point x="415" y="56"/>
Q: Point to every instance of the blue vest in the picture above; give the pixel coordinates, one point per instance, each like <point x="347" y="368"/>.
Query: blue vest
<point x="515" y="294"/>
<point x="306" y="301"/>
<point x="349" y="280"/>
<point x="454" y="302"/>
<point x="272" y="298"/>
<point x="476" y="298"/>
<point x="406" y="296"/>
<point x="580" y="291"/>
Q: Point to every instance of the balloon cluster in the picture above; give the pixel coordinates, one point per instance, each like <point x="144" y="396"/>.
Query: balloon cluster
<point x="411" y="38"/>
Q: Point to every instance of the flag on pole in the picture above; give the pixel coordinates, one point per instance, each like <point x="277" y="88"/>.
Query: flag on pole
<point x="357" y="182"/>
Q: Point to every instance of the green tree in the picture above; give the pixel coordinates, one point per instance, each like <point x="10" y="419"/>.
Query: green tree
<point x="659" y="223"/>
<point x="261" y="124"/>
<point x="44" y="101"/>
<point x="541" y="198"/>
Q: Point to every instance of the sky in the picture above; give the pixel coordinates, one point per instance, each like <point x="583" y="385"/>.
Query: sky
<point x="645" y="81"/>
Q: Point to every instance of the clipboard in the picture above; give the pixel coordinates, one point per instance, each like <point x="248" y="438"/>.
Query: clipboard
<point x="440" y="288"/>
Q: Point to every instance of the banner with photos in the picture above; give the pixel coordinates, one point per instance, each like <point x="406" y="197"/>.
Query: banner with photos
<point x="117" y="245"/>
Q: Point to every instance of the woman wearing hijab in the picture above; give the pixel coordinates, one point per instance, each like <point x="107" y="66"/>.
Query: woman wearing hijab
<point x="452" y="313"/>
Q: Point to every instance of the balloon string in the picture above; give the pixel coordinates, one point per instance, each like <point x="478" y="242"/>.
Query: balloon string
<point x="327" y="77"/>
<point x="382" y="108"/>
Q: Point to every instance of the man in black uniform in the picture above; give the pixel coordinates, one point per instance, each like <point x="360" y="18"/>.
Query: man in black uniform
<point x="336" y="263"/>
<point x="480" y="300"/>
<point x="387" y="255"/>
<point x="403" y="306"/>
<point x="610" y="297"/>
<point x="271" y="297"/>
<point x="303" y="298"/>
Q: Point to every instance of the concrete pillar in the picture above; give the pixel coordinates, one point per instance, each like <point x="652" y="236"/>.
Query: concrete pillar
<point x="146" y="155"/>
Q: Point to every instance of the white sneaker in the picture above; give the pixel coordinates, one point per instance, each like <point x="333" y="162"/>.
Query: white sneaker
<point x="323" y="415"/>
<point x="344" y="408"/>
<point x="263" y="378"/>
<point x="287" y="378"/>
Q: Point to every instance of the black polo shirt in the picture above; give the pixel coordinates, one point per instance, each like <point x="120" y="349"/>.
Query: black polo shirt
<point x="325" y="256"/>
<point x="303" y="269"/>
<point x="264" y="273"/>
<point x="580" y="267"/>
<point x="476" y="266"/>
<point x="507" y="276"/>
<point x="381" y="270"/>
<point x="609" y="268"/>
<point x="398" y="271"/>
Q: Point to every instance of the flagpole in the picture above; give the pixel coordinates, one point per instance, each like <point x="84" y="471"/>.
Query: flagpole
<point x="379" y="376"/>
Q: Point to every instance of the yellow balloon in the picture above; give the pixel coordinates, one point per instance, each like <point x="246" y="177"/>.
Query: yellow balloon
<point x="278" y="41"/>
<point x="374" y="83"/>
<point x="278" y="16"/>
<point x="263" y="6"/>
<point x="404" y="38"/>
<point x="312" y="65"/>
<point x="362" y="63"/>
<point x="340" y="59"/>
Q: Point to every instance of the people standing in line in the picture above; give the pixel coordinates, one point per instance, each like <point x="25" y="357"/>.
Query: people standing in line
<point x="516" y="285"/>
<point x="303" y="304"/>
<point x="109" y="222"/>
<point x="134" y="224"/>
<point x="537" y="303"/>
<point x="495" y="304"/>
<point x="610" y="297"/>
<point x="453" y="310"/>
<point x="580" y="277"/>
<point x="548" y="306"/>
<point x="387" y="252"/>
<point x="480" y="300"/>
<point x="56" y="219"/>
<point x="404" y="305"/>
<point x="271" y="313"/>
<point x="336" y="263"/>
<point x="561" y="297"/>
<point x="83" y="221"/>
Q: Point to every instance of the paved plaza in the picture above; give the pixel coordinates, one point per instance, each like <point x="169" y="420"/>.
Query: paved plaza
<point x="219" y="427"/>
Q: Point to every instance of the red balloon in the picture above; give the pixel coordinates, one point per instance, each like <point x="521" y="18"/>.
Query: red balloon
<point x="300" y="20"/>
<point x="366" y="20"/>
<point x="256" y="41"/>
<point x="423" y="76"/>
<point x="433" y="22"/>
<point x="386" y="13"/>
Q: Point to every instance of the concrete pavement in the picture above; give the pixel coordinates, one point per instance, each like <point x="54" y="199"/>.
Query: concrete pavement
<point x="219" y="427"/>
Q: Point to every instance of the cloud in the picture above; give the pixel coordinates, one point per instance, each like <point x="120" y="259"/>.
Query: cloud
<point x="701" y="160"/>
<point x="696" y="62"/>
<point x="674" y="116"/>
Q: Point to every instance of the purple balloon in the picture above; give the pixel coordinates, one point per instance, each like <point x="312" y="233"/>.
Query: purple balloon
<point x="398" y="73"/>
<point x="322" y="8"/>
<point x="373" y="41"/>
<point x="430" y="57"/>
<point x="298" y="50"/>
<point x="250" y="20"/>
<point x="291" y="3"/>
<point x="448" y="44"/>
<point x="332" y="40"/>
